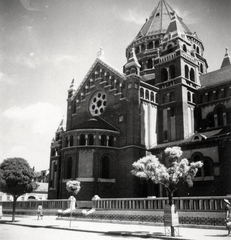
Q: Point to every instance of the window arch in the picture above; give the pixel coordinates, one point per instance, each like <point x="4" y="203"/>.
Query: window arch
<point x="71" y="140"/>
<point x="152" y="96"/>
<point x="103" y="141"/>
<point x="192" y="75"/>
<point x="150" y="45"/>
<point x="150" y="63"/>
<point x="147" y="94"/>
<point x="69" y="168"/>
<point x="172" y="71"/>
<point x="184" y="48"/>
<point x="82" y="140"/>
<point x="142" y="47"/>
<point x="189" y="96"/>
<point x="141" y="92"/>
<point x="90" y="139"/>
<point x="186" y="70"/>
<point x="66" y="141"/>
<point x="208" y="167"/>
<point x="157" y="43"/>
<point x="201" y="68"/>
<point x="170" y="48"/>
<point x="220" y="118"/>
<point x="111" y="141"/>
<point x="105" y="167"/>
<point x="198" y="50"/>
<point x="164" y="74"/>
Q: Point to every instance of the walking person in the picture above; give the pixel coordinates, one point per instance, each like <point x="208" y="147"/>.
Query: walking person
<point x="40" y="211"/>
<point x="228" y="214"/>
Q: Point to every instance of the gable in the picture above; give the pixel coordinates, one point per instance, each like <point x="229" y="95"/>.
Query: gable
<point x="99" y="68"/>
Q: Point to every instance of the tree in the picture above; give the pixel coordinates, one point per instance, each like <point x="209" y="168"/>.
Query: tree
<point x="168" y="170"/>
<point x="73" y="187"/>
<point x="16" y="179"/>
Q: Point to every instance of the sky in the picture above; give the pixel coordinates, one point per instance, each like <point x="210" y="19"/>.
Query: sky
<point x="44" y="44"/>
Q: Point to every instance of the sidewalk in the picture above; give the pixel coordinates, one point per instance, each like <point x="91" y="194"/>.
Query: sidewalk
<point x="120" y="229"/>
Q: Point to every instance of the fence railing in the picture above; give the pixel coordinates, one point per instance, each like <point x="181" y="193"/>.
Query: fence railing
<point x="182" y="203"/>
<point x="33" y="204"/>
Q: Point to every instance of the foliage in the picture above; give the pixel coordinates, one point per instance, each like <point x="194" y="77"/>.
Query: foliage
<point x="168" y="170"/>
<point x="73" y="186"/>
<point x="16" y="178"/>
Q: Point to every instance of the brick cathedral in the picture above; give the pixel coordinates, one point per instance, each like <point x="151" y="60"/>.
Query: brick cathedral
<point x="163" y="97"/>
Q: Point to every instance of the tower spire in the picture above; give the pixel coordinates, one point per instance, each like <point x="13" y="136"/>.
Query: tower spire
<point x="226" y="60"/>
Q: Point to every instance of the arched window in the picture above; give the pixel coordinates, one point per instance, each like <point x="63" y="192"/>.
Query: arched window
<point x="66" y="141"/>
<point x="201" y="68"/>
<point x="141" y="92"/>
<point x="164" y="74"/>
<point x="208" y="167"/>
<point x="184" y="48"/>
<point x="71" y="140"/>
<point x="198" y="50"/>
<point x="172" y="96"/>
<point x="90" y="139"/>
<point x="192" y="75"/>
<point x="82" y="140"/>
<point x="172" y="112"/>
<point x="150" y="45"/>
<point x="103" y="140"/>
<point x="137" y="50"/>
<point x="197" y="158"/>
<point x="186" y="70"/>
<point x="152" y="96"/>
<point x="69" y="168"/>
<point x="150" y="63"/>
<point x="111" y="141"/>
<point x="170" y="48"/>
<point x="157" y="43"/>
<point x="142" y="47"/>
<point x="172" y="71"/>
<point x="210" y="96"/>
<point x="189" y="96"/>
<point x="220" y="118"/>
<point x="105" y="167"/>
<point x="147" y="94"/>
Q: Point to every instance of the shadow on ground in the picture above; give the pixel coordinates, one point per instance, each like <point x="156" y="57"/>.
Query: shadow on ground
<point x="138" y="233"/>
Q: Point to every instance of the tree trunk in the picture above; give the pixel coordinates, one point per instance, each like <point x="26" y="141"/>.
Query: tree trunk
<point x="14" y="207"/>
<point x="170" y="196"/>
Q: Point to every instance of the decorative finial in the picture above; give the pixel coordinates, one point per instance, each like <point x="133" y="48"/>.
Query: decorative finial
<point x="100" y="53"/>
<point x="226" y="51"/>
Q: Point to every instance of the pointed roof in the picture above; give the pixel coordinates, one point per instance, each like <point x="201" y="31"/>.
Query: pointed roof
<point x="61" y="126"/>
<point x="158" y="21"/>
<point x="227" y="60"/>
<point x="178" y="26"/>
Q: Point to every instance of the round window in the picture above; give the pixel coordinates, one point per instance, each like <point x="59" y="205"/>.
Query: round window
<point x="98" y="103"/>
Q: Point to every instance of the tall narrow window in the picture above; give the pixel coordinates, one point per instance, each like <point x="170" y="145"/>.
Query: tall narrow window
<point x="164" y="74"/>
<point x="103" y="140"/>
<point x="90" y="139"/>
<point x="82" y="140"/>
<point x="192" y="75"/>
<point x="186" y="70"/>
<point x="111" y="141"/>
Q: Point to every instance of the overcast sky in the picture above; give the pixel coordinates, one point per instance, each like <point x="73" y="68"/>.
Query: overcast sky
<point x="45" y="43"/>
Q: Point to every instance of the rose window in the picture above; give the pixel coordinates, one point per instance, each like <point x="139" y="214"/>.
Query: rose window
<point x="98" y="104"/>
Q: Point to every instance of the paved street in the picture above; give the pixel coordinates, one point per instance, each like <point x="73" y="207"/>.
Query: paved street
<point x="53" y="228"/>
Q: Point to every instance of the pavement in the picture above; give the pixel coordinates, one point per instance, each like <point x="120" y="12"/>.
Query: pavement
<point x="139" y="230"/>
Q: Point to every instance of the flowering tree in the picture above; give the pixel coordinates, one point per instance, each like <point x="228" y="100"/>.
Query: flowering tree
<point x="73" y="187"/>
<point x="169" y="170"/>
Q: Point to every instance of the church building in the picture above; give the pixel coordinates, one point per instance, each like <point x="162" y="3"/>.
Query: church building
<point x="163" y="97"/>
